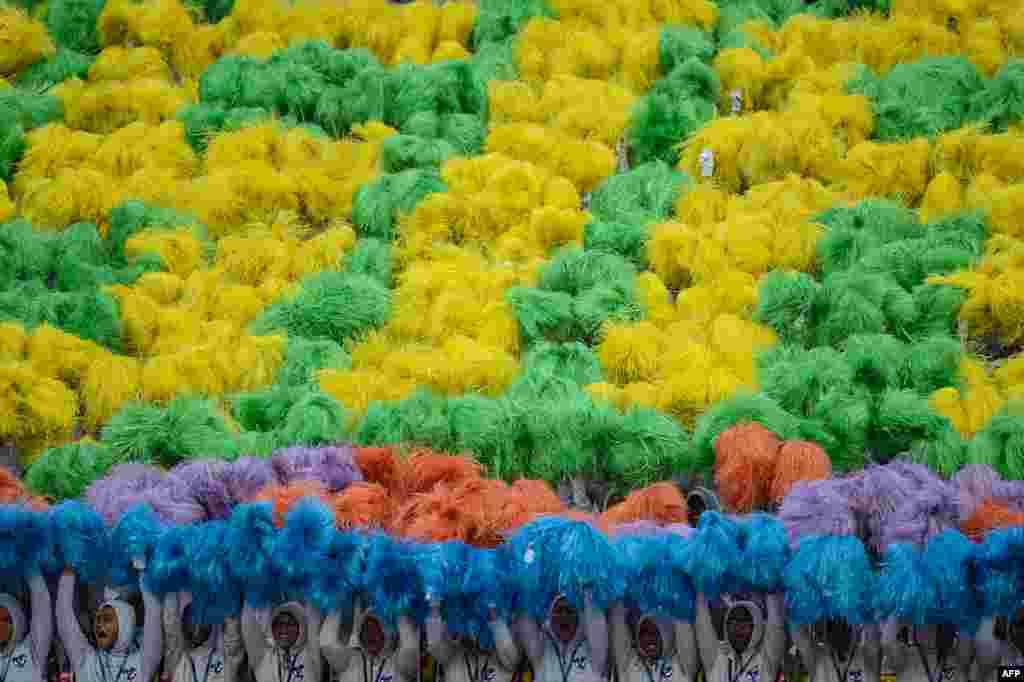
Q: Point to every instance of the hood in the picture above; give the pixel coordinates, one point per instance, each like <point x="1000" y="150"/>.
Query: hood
<point x="361" y="614"/>
<point x="299" y="614"/>
<point x="551" y="631"/>
<point x="757" y="616"/>
<point x="18" y="622"/>
<point x="216" y="632"/>
<point x="664" y="625"/>
<point x="125" y="624"/>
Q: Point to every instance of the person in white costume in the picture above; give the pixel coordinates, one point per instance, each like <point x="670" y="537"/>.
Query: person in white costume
<point x="835" y="651"/>
<point x="753" y="643"/>
<point x="361" y="649"/>
<point x="648" y="648"/>
<point x="928" y="653"/>
<point x="283" y="643"/>
<point x="194" y="652"/>
<point x="563" y="649"/>
<point x="117" y="656"/>
<point x="23" y="649"/>
<point x="464" y="660"/>
<point x="998" y="644"/>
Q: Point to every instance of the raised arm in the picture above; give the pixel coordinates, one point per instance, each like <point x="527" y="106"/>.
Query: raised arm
<point x="619" y="635"/>
<point x="873" y="652"/>
<point x="407" y="663"/>
<point x="687" y="653"/>
<point x="893" y="649"/>
<point x="42" y="618"/>
<point x="707" y="639"/>
<point x="963" y="655"/>
<point x="152" y="632"/>
<point x="988" y="649"/>
<point x="314" y="662"/>
<point x="805" y="645"/>
<point x="531" y="638"/>
<point x="174" y="637"/>
<point x="254" y="633"/>
<point x="335" y="644"/>
<point x="505" y="646"/>
<point x="439" y="645"/>
<point x="775" y="634"/>
<point x="597" y="636"/>
<point x="234" y="649"/>
<point x="76" y="646"/>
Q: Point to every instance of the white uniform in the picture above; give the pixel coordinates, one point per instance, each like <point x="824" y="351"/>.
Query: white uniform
<point x="992" y="653"/>
<point x="679" y="658"/>
<point x="351" y="662"/>
<point x="271" y="662"/>
<point x="24" y="657"/>
<point x="219" y="659"/>
<point x="919" y="662"/>
<point x="584" y="659"/>
<point x="864" y="665"/>
<point x="760" y="661"/>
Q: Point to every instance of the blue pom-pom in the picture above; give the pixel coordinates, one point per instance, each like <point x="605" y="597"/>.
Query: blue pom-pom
<point x="950" y="560"/>
<point x="656" y="581"/>
<point x="300" y="547"/>
<point x="136" y="535"/>
<point x="442" y="569"/>
<point x="765" y="553"/>
<point x="713" y="557"/>
<point x="396" y="588"/>
<point x="555" y="556"/>
<point x="1000" y="572"/>
<point x="906" y="591"/>
<point x="335" y="585"/>
<point x="169" y="567"/>
<point x="83" y="540"/>
<point x="24" y="541"/>
<point x="830" y="577"/>
<point x="251" y="536"/>
<point x="216" y="595"/>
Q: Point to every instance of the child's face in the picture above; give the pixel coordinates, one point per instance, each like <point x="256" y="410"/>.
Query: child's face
<point x="285" y="630"/>
<point x="6" y="627"/>
<point x="648" y="639"/>
<point x="564" y="620"/>
<point x="107" y="628"/>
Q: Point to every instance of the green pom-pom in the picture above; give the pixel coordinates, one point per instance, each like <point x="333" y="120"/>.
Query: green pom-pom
<point x="406" y="152"/>
<point x="72" y="23"/>
<point x="376" y="207"/>
<point x="64" y="473"/>
<point x="645" y="194"/>
<point x="187" y="428"/>
<point x="332" y="306"/>
<point x="64" y="65"/>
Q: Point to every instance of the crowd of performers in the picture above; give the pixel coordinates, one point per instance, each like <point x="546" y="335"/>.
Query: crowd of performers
<point x="544" y="604"/>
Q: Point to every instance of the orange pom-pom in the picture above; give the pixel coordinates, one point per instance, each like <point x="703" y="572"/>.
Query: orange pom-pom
<point x="284" y="497"/>
<point x="745" y="457"/>
<point x="990" y="516"/>
<point x="13" y="491"/>
<point x="798" y="460"/>
<point x="384" y="467"/>
<point x="662" y="503"/>
<point x="363" y="505"/>
<point x="426" y="468"/>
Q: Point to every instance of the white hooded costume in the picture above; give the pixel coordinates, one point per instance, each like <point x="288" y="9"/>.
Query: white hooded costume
<point x="270" y="662"/>
<point x="992" y="652"/>
<point x="862" y="663"/>
<point x="126" y="661"/>
<point x="582" y="659"/>
<point x="919" y="658"/>
<point x="218" y="659"/>
<point x="23" y="658"/>
<point x="464" y="663"/>
<point x="761" y="660"/>
<point x="679" y="661"/>
<point x="350" y="661"/>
